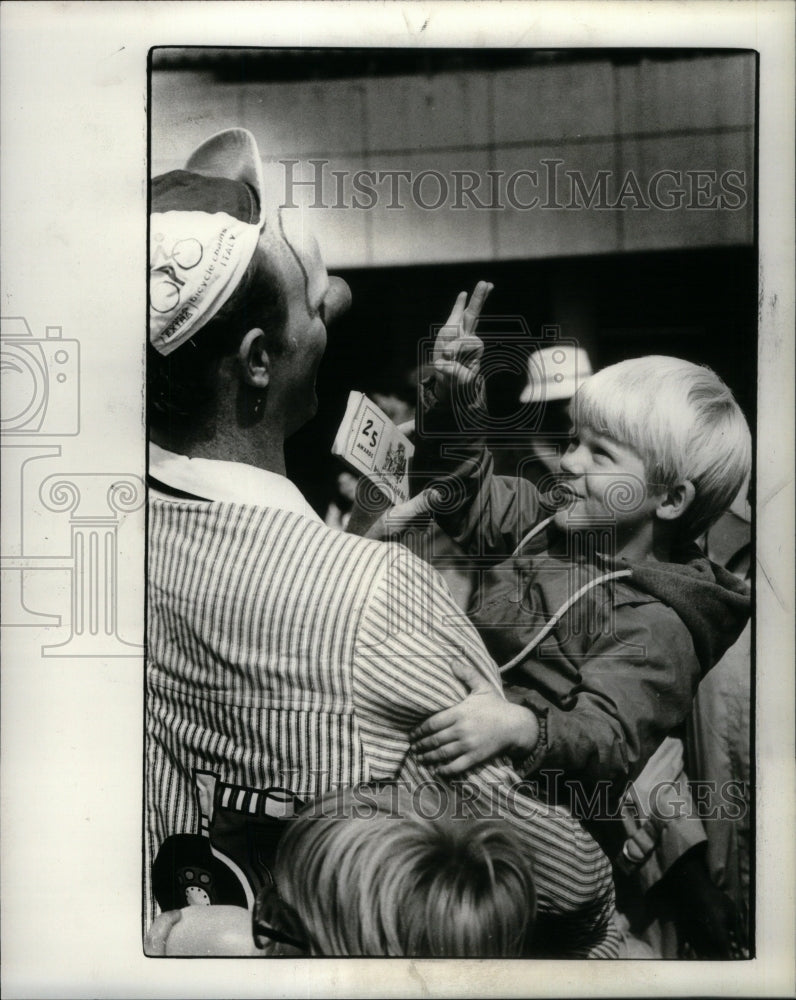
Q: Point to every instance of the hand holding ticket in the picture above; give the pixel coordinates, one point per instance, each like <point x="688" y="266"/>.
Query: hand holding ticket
<point x="370" y="443"/>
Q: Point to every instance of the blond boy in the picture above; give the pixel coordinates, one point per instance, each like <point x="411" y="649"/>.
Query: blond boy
<point x="599" y="605"/>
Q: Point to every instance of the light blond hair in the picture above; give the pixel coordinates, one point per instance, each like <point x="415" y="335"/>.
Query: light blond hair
<point x="684" y="423"/>
<point x="396" y="879"/>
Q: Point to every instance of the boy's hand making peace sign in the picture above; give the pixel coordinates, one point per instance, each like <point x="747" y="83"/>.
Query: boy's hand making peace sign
<point x="457" y="350"/>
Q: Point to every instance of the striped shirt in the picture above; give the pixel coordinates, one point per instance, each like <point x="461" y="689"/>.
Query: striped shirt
<point x="285" y="653"/>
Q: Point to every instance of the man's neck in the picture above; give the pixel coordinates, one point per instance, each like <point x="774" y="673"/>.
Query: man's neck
<point x="262" y="452"/>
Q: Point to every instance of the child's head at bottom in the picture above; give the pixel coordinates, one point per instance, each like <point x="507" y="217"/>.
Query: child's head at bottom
<point x="396" y="874"/>
<point x="686" y="428"/>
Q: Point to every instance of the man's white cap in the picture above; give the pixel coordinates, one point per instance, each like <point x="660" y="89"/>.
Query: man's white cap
<point x="555" y="373"/>
<point x="203" y="234"/>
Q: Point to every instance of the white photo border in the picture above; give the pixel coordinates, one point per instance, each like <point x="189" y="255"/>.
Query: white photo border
<point x="74" y="182"/>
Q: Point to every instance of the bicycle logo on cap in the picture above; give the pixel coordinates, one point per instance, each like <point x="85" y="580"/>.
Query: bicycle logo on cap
<point x="165" y="286"/>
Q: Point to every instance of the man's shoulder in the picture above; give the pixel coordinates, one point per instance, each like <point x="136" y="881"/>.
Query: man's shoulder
<point x="306" y="534"/>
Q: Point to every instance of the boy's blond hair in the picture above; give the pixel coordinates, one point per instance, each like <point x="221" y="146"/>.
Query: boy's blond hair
<point x="393" y="878"/>
<point x="682" y="420"/>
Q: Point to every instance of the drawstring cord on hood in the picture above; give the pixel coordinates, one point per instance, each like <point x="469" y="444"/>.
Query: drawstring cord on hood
<point x="531" y="533"/>
<point x="548" y="628"/>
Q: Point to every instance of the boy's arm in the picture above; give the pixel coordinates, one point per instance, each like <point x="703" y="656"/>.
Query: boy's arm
<point x="610" y="724"/>
<point x="486" y="515"/>
<point x="625" y="704"/>
<point x="410" y="636"/>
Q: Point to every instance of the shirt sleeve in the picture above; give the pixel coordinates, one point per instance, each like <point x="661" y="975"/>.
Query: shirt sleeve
<point x="410" y="634"/>
<point x="623" y="707"/>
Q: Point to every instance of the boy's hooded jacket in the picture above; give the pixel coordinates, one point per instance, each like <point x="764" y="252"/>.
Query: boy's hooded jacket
<point x="619" y="668"/>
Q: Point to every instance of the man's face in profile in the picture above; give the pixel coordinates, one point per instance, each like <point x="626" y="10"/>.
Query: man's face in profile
<point x="313" y="301"/>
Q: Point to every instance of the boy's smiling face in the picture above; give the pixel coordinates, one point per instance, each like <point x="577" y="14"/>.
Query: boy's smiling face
<point x="607" y="481"/>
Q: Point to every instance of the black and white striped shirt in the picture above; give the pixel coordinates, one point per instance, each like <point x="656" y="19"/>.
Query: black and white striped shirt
<point x="285" y="653"/>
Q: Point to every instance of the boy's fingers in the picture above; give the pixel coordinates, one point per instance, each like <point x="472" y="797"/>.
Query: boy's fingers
<point x="465" y="350"/>
<point x="473" y="310"/>
<point x="432" y="742"/>
<point x="468" y="348"/>
<point x="442" y="754"/>
<point x="456" y="767"/>
<point x="464" y="315"/>
<point x="457" y="312"/>
<point x="451" y="330"/>
<point x="434" y="725"/>
<point x="454" y="371"/>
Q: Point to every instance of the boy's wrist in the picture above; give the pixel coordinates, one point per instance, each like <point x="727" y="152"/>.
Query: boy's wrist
<point x="531" y="739"/>
<point x="525" y="730"/>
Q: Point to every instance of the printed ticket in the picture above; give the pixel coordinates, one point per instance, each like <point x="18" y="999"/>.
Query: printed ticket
<point x="371" y="444"/>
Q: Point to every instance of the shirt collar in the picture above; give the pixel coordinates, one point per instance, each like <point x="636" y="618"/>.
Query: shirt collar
<point x="226" y="482"/>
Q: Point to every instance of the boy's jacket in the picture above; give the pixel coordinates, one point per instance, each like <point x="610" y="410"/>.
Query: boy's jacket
<point x="619" y="669"/>
<point x="713" y="603"/>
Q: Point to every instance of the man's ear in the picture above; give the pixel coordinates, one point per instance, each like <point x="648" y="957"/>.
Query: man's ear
<point x="255" y="364"/>
<point x="676" y="501"/>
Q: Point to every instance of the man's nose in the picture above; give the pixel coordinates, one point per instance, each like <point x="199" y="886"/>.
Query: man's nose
<point x="338" y="299"/>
